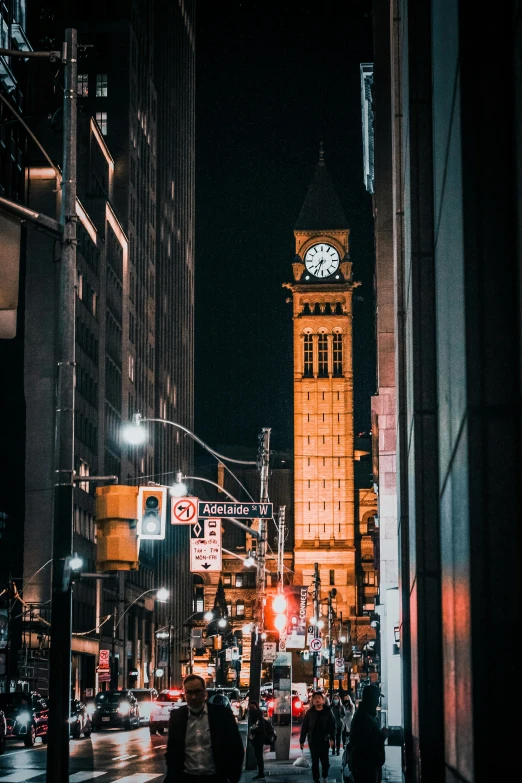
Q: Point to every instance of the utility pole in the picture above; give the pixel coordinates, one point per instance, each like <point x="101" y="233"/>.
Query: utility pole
<point x="61" y="607"/>
<point x="331" y="594"/>
<point x="281" y="547"/>
<point x="256" y="645"/>
<point x="317" y="583"/>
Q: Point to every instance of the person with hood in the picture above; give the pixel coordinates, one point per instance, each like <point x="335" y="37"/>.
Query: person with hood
<point x="366" y="745"/>
<point x="339" y="713"/>
<point x="319" y="727"/>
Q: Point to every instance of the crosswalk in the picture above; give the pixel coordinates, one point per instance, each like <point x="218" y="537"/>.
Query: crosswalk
<point x="21" y="775"/>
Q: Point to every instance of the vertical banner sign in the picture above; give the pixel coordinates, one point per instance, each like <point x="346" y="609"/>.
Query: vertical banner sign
<point x="296" y="597"/>
<point x="205" y="553"/>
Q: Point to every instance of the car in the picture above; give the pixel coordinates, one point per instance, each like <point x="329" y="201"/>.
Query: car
<point x="234" y="697"/>
<point x="221" y="699"/>
<point x="146" y="698"/>
<point x="80" y="720"/>
<point x="115" y="709"/>
<point x="167" y="701"/>
<point x="3" y="731"/>
<point x="27" y="716"/>
<point x="298" y="708"/>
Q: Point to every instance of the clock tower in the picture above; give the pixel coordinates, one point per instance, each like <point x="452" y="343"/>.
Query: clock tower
<point x="322" y="293"/>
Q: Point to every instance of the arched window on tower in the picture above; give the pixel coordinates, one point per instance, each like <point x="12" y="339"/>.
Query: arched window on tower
<point x="308" y="364"/>
<point x="337" y="355"/>
<point x="323" y="356"/>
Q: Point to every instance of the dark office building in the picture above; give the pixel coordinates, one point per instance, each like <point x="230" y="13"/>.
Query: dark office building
<point x="134" y="319"/>
<point x="447" y="106"/>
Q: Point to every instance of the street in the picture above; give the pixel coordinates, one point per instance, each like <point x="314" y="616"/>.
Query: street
<point x="113" y="756"/>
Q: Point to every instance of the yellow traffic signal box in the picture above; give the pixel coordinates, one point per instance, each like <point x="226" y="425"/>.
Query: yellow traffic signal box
<point x="117" y="541"/>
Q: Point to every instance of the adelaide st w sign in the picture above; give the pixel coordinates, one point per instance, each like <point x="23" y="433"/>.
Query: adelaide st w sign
<point x="219" y="508"/>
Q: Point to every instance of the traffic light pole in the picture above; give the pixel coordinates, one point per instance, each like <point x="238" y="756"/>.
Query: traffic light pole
<point x="317" y="583"/>
<point x="61" y="607"/>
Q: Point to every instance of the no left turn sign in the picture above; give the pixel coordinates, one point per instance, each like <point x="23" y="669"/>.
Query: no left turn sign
<point x="184" y="511"/>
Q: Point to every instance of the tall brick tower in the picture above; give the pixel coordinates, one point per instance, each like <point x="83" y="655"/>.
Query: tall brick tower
<point x="323" y="394"/>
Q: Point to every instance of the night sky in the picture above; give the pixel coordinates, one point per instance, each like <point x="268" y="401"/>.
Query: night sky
<point x="273" y="80"/>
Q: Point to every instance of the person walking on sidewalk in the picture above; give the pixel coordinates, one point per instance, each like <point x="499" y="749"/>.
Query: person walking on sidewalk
<point x="366" y="746"/>
<point x="259" y="733"/>
<point x="349" y="709"/>
<point x="319" y="727"/>
<point x="338" y="713"/>
<point x="204" y="744"/>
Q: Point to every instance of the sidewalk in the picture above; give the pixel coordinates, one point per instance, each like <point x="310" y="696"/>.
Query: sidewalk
<point x="284" y="771"/>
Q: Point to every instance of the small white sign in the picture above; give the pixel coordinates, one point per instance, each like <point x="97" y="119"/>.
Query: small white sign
<point x="339" y="666"/>
<point x="269" y="652"/>
<point x="205" y="553"/>
<point x="316" y="645"/>
<point x="184" y="511"/>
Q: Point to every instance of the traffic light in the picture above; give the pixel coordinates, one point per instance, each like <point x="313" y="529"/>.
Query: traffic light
<point x="279" y="607"/>
<point x="152" y="513"/>
<point x="117" y="543"/>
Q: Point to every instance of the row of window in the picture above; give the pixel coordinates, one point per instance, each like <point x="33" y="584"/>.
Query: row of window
<point x="243" y="579"/>
<point x="82" y="83"/>
<point x="323" y="361"/>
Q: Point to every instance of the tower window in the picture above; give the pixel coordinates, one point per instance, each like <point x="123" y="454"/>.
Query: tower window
<point x="332" y="577"/>
<point x="101" y="85"/>
<point x="308" y="416"/>
<point x="323" y="356"/>
<point x="308" y="461"/>
<point x="82" y="81"/>
<point x="308" y="370"/>
<point x="101" y="119"/>
<point x="337" y="355"/>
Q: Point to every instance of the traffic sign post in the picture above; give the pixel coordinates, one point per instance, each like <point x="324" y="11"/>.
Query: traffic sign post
<point x="184" y="511"/>
<point x="205" y="553"/>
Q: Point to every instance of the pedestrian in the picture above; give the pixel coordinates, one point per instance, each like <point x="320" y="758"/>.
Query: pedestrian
<point x="259" y="735"/>
<point x="338" y="713"/>
<point x="349" y="709"/>
<point x="204" y="744"/>
<point x="319" y="726"/>
<point x="366" y="745"/>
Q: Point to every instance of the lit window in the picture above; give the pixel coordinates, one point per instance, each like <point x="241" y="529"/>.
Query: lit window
<point x="79" y="285"/>
<point x="308" y="356"/>
<point x="229" y="609"/>
<point x="82" y="83"/>
<point x="101" y="85"/>
<point x="131" y="367"/>
<point x="101" y="119"/>
<point x="239" y="580"/>
<point x="83" y="470"/>
<point x="323" y="355"/>
<point x="200" y="604"/>
<point x="227" y="579"/>
<point x="338" y="355"/>
<point x="240" y="608"/>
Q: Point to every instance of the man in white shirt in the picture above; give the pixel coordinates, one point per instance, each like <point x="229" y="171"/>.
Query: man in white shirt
<point x="204" y="744"/>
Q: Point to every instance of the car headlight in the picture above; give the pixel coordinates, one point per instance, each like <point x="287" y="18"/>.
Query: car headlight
<point x="24" y="717"/>
<point x="124" y="708"/>
<point x="90" y="709"/>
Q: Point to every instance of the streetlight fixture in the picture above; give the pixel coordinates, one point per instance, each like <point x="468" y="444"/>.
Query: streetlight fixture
<point x="162" y="595"/>
<point x="320" y="623"/>
<point x="222" y="622"/>
<point x="134" y="434"/>
<point x="208" y="616"/>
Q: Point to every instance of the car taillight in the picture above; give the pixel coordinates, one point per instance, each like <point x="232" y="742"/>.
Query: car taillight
<point x="271" y="703"/>
<point x="298" y="705"/>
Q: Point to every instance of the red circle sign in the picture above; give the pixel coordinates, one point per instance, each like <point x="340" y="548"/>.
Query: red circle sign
<point x="184" y="510"/>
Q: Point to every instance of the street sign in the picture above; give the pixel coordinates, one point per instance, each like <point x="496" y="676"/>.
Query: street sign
<point x="103" y="660"/>
<point x="219" y="508"/>
<point x="184" y="511"/>
<point x="339" y="666"/>
<point x="205" y="553"/>
<point x="269" y="652"/>
<point x="310" y="631"/>
<point x="316" y="645"/>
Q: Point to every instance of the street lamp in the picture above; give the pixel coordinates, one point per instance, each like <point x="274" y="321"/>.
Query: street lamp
<point x="162" y="595"/>
<point x="208" y="616"/>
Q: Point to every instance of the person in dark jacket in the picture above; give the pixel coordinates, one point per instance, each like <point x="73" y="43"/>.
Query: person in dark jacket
<point x="319" y="726"/>
<point x="258" y="733"/>
<point x="338" y="713"/>
<point x="366" y="744"/>
<point x="204" y="744"/>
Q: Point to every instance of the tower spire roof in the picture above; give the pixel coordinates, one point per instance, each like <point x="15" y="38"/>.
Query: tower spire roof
<point x="322" y="209"/>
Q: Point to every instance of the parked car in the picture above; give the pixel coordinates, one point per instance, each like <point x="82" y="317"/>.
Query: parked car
<point x="80" y="720"/>
<point x="167" y="701"/>
<point x="27" y="716"/>
<point x="298" y="708"/>
<point x="3" y="731"/>
<point x="146" y="698"/>
<point x="115" y="708"/>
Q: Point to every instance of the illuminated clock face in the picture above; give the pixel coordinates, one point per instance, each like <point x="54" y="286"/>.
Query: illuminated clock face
<point x="322" y="260"/>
